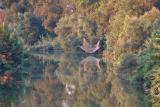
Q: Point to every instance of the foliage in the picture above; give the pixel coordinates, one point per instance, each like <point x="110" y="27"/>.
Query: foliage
<point x="149" y="57"/>
<point x="155" y="87"/>
<point x="24" y="30"/>
<point x="128" y="33"/>
<point x="29" y="29"/>
<point x="49" y="11"/>
<point x="15" y="67"/>
<point x="71" y="30"/>
<point x="129" y="26"/>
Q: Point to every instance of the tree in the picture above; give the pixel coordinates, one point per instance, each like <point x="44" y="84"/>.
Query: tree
<point x="14" y="68"/>
<point x="148" y="59"/>
<point x="29" y="29"/>
<point x="155" y="91"/>
<point x="71" y="30"/>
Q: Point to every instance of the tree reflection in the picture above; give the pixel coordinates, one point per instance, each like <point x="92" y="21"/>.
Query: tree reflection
<point x="45" y="91"/>
<point x="67" y="84"/>
<point x="94" y="87"/>
<point x="90" y="60"/>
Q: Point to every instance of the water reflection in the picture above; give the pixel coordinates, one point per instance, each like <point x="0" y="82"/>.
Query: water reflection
<point x="90" y="62"/>
<point x="70" y="89"/>
<point x="65" y="80"/>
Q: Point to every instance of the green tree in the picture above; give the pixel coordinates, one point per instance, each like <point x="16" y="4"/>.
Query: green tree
<point x="71" y="30"/>
<point x="15" y="67"/>
<point x="29" y="29"/>
<point x="148" y="59"/>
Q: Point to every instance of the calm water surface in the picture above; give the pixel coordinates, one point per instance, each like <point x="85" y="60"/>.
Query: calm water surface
<point x="74" y="80"/>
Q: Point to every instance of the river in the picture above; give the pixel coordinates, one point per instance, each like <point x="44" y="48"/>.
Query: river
<point x="74" y="80"/>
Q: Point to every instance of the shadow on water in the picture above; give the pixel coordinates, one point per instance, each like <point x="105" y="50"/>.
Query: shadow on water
<point x="74" y="80"/>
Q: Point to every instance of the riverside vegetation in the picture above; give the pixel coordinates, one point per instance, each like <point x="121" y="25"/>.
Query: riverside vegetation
<point x="130" y="32"/>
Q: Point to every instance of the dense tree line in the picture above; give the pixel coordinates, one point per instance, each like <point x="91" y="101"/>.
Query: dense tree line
<point x="131" y="28"/>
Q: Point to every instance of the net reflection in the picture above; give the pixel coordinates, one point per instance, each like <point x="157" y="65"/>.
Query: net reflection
<point x="90" y="62"/>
